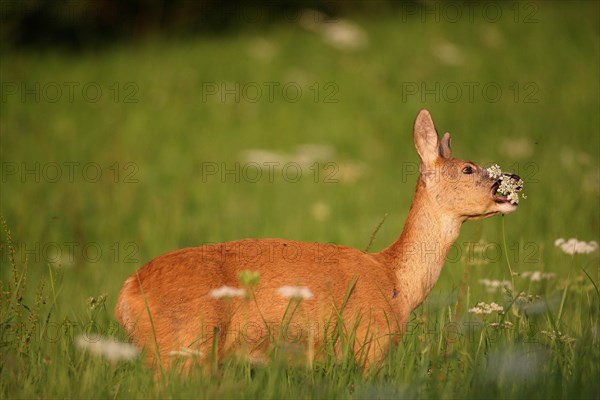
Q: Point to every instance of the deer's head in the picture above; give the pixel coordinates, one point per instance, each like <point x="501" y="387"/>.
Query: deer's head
<point x="461" y="189"/>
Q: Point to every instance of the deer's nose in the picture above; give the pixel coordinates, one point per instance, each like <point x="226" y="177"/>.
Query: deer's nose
<point x="515" y="178"/>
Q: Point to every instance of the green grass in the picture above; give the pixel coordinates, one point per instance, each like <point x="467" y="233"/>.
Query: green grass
<point x="159" y="201"/>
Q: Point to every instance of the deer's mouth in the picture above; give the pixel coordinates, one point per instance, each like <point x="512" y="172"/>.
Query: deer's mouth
<point x="505" y="192"/>
<point x="497" y="196"/>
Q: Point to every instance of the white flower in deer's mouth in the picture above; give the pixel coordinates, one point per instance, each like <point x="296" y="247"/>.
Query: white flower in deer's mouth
<point x="227" y="291"/>
<point x="295" y="292"/>
<point x="513" y="197"/>
<point x="507" y="187"/>
<point x="494" y="171"/>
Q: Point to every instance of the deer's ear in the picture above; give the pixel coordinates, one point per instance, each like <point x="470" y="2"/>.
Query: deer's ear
<point x="426" y="140"/>
<point x="445" y="150"/>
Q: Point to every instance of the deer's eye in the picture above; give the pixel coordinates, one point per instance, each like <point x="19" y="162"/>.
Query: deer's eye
<point x="467" y="170"/>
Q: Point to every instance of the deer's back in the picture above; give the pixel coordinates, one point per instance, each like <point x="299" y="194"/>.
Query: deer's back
<point x="176" y="286"/>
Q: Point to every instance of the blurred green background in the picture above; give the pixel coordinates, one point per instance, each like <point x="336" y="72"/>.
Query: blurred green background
<point x="156" y="117"/>
<point x="130" y="129"/>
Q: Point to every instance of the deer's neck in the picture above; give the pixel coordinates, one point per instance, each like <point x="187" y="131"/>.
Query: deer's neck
<point x="418" y="255"/>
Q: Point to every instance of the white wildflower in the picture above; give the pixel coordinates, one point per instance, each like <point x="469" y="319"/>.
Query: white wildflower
<point x="509" y="186"/>
<point x="484" y="308"/>
<point x="344" y="35"/>
<point x="185" y="352"/>
<point x="109" y="348"/>
<point x="574" y="246"/>
<point x="295" y="292"/>
<point x="494" y="171"/>
<point x="339" y="33"/>
<point x="538" y="276"/>
<point x="505" y="185"/>
<point x="227" y="291"/>
<point x="558" y="335"/>
<point x="492" y="285"/>
<point x="502" y="325"/>
<point x="527" y="298"/>
<point x="513" y="197"/>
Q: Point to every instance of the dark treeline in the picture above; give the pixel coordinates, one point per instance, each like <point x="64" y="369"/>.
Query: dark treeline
<point x="77" y="24"/>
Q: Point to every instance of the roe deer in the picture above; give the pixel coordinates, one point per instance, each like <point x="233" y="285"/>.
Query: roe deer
<point x="169" y="305"/>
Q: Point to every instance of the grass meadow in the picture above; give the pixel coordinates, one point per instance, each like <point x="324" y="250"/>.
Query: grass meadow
<point x="114" y="156"/>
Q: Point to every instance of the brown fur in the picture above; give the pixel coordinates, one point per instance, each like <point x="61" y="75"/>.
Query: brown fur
<point x="388" y="285"/>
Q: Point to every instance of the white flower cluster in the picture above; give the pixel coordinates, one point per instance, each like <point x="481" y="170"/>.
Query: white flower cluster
<point x="537" y="276"/>
<point x="109" y="348"/>
<point x="502" y="325"/>
<point x="227" y="291"/>
<point x="574" y="246"/>
<point x="509" y="186"/>
<point x="295" y="292"/>
<point x="492" y="285"/>
<point x="494" y="171"/>
<point x="484" y="308"/>
<point x="288" y="292"/>
<point x="527" y="298"/>
<point x="557" y="335"/>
